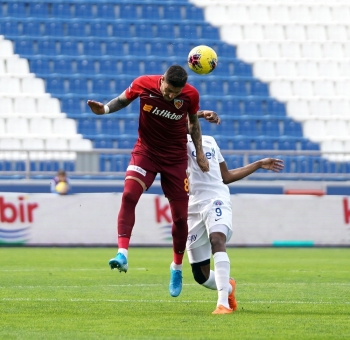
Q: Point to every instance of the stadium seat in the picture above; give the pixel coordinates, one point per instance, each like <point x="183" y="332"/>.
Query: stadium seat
<point x="17" y="127"/>
<point x="32" y="86"/>
<point x="38" y="10"/>
<point x="275" y="108"/>
<point x="85" y="66"/>
<point x="6" y="106"/>
<point x="126" y="141"/>
<point x="215" y="88"/>
<point x="241" y="69"/>
<point x="150" y="12"/>
<point x="55" y="85"/>
<point x="234" y="161"/>
<point x="10" y="86"/>
<point x="31" y="28"/>
<point x="48" y="106"/>
<point x="137" y="48"/>
<point x="131" y="67"/>
<point x="188" y="31"/>
<point x="180" y="48"/>
<point x="54" y="29"/>
<point x="47" y="47"/>
<point x="84" y="11"/>
<point x="114" y="48"/>
<point x="153" y="67"/>
<point x="16" y="9"/>
<point x="87" y="127"/>
<point x="17" y="66"/>
<point x="247" y="128"/>
<point x="110" y="126"/>
<point x="172" y="13"/>
<point x="62" y="66"/>
<point x="69" y="47"/>
<point x="103" y="143"/>
<point x="128" y="12"/>
<point x="237" y="88"/>
<point x="108" y="67"/>
<point x="40" y="66"/>
<point x="78" y="86"/>
<point x="270" y="128"/>
<point x="106" y="11"/>
<point x="99" y="29"/>
<point x="76" y="29"/>
<point x="286" y="143"/>
<point x="40" y="127"/>
<point x="264" y="143"/>
<point x="92" y="48"/>
<point x="231" y="107"/>
<point x="62" y="10"/>
<point x="194" y="13"/>
<point x="24" y="47"/>
<point x="9" y="28"/>
<point x="253" y="107"/>
<point x="292" y="128"/>
<point x="121" y="30"/>
<point x="78" y="144"/>
<point x="24" y="105"/>
<point x="166" y="31"/>
<point x="241" y="143"/>
<point x="102" y="86"/>
<point x="71" y="106"/>
<point x="259" y="89"/>
<point x="130" y="126"/>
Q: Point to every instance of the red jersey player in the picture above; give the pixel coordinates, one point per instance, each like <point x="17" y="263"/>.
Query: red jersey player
<point x="165" y="103"/>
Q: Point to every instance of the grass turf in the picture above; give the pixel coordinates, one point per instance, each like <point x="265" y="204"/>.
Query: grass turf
<point x="70" y="293"/>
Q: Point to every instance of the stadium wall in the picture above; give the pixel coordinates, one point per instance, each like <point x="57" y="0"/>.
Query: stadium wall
<point x="90" y="220"/>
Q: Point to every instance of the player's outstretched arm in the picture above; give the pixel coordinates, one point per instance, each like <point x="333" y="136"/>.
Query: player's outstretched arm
<point x="209" y="116"/>
<point x="114" y="105"/>
<point x="233" y="175"/>
<point x="196" y="134"/>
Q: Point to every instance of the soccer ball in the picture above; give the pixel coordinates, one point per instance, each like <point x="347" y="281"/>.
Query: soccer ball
<point x="61" y="188"/>
<point x="202" y="59"/>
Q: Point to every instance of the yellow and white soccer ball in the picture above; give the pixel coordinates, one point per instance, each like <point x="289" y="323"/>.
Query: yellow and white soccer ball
<point x="61" y="188"/>
<point x="202" y="59"/>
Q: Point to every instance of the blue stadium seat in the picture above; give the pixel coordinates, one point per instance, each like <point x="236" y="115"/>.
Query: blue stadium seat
<point x="16" y="9"/>
<point x="285" y="143"/>
<point x="234" y="161"/>
<point x="31" y="28"/>
<point x="49" y="165"/>
<point x="131" y="125"/>
<point x="47" y="47"/>
<point x="24" y="47"/>
<point x="181" y="49"/>
<point x="226" y="127"/>
<point x="226" y="51"/>
<point x="110" y="126"/>
<point x="84" y="11"/>
<point x="209" y="32"/>
<point x="270" y="128"/>
<point x="102" y="86"/>
<point x="78" y="86"/>
<point x="131" y="67"/>
<point x="10" y="28"/>
<point x="223" y="142"/>
<point x="306" y="144"/>
<point x="62" y="10"/>
<point x="153" y="67"/>
<point x="55" y="85"/>
<point x="69" y="47"/>
<point x="231" y="107"/>
<point x="87" y="126"/>
<point x="214" y="88"/>
<point x="127" y="141"/>
<point x="122" y="84"/>
<point x="158" y="49"/>
<point x="76" y="29"/>
<point x="292" y="128"/>
<point x="108" y="67"/>
<point x="194" y="13"/>
<point x="92" y="48"/>
<point x="150" y="12"/>
<point x="242" y="69"/>
<point x="99" y="29"/>
<point x="71" y="106"/>
<point x="119" y="163"/>
<point x="103" y="143"/>
<point x="259" y="89"/>
<point x="38" y="10"/>
<point x="62" y="66"/>
<point x="121" y="30"/>
<point x="253" y="107"/>
<point x="241" y="143"/>
<point x="237" y="88"/>
<point x="54" y="29"/>
<point x="166" y="31"/>
<point x="114" y="48"/>
<point x="40" y="66"/>
<point x="144" y="31"/>
<point x="248" y="127"/>
<point x="223" y="69"/>
<point x="68" y="166"/>
<point x="137" y="48"/>
<point x="276" y="108"/>
<point x="105" y="11"/>
<point x="188" y="31"/>
<point x="264" y="143"/>
<point x="85" y="66"/>
<point x="128" y="12"/>
<point x="172" y="13"/>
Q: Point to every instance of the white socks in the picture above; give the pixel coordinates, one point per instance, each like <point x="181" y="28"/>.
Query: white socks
<point x="123" y="251"/>
<point x="222" y="276"/>
<point x="210" y="283"/>
<point x="175" y="266"/>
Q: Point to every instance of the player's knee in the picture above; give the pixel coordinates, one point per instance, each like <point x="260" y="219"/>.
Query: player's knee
<point x="197" y="272"/>
<point x="218" y="241"/>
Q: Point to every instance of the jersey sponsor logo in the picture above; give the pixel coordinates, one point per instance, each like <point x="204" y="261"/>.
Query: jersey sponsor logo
<point x="166" y="114"/>
<point x="191" y="238"/>
<point x="147" y="108"/>
<point x="208" y="155"/>
<point x="178" y="103"/>
<point x="136" y="169"/>
<point x="218" y="202"/>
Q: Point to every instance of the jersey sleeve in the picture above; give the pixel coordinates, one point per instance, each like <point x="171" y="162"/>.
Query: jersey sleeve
<point x="194" y="103"/>
<point x="135" y="89"/>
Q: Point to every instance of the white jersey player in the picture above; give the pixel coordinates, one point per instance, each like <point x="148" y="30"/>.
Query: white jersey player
<point x="210" y="218"/>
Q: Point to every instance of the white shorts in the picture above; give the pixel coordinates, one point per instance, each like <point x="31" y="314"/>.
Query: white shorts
<point x="203" y="219"/>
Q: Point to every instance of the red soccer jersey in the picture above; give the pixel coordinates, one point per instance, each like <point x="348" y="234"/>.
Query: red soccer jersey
<point x="162" y="124"/>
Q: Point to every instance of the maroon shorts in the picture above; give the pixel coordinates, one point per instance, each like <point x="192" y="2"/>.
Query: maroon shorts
<point x="173" y="178"/>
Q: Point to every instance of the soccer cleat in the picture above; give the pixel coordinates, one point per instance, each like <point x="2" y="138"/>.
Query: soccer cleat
<point x="222" y="310"/>
<point x="120" y="262"/>
<point x="231" y="298"/>
<point x="175" y="285"/>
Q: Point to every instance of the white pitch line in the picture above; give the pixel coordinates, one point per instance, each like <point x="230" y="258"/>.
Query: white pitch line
<point x="176" y="301"/>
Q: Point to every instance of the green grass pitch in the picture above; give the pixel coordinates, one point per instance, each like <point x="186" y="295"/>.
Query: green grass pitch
<point x="70" y="293"/>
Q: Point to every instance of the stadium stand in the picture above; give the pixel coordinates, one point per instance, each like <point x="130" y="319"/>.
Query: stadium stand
<point x="281" y="83"/>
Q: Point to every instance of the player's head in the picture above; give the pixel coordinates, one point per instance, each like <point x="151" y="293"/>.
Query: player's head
<point x="61" y="175"/>
<point x="172" y="82"/>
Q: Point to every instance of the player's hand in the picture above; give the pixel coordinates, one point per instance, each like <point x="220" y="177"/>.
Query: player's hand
<point x="96" y="107"/>
<point x="273" y="164"/>
<point x="211" y="116"/>
<point x="203" y="163"/>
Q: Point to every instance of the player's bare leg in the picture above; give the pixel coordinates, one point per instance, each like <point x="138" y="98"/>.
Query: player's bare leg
<point x="126" y="219"/>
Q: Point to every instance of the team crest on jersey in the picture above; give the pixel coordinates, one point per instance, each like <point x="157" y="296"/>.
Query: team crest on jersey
<point x="218" y="202"/>
<point x="178" y="103"/>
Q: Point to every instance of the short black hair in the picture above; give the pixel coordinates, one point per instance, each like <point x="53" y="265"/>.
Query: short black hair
<point x="61" y="172"/>
<point x="176" y="76"/>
